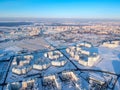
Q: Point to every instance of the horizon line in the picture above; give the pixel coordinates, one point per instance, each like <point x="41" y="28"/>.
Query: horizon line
<point x="55" y="18"/>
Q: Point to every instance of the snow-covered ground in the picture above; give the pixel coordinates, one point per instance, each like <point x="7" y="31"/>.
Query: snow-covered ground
<point x="109" y="60"/>
<point x="51" y="70"/>
<point x="5" y="55"/>
<point x="82" y="81"/>
<point x="0" y="87"/>
<point x="64" y="85"/>
<point x="117" y="86"/>
<point x="29" y="44"/>
<point x="3" y="71"/>
<point x="13" y="48"/>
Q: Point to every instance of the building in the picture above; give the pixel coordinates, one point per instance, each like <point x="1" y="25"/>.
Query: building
<point x="53" y="55"/>
<point x="84" y="44"/>
<point x="21" y="70"/>
<point x="22" y="64"/>
<point x="51" y="80"/>
<point x="83" y="55"/>
<point x="41" y="64"/>
<point x="66" y="75"/>
<point x="56" y="58"/>
<point x="97" y="82"/>
<point x="61" y="62"/>
<point x="93" y="59"/>
<point x="24" y="85"/>
<point x="71" y="76"/>
<point x="112" y="44"/>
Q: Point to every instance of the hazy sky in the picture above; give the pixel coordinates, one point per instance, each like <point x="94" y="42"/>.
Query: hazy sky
<point x="60" y="8"/>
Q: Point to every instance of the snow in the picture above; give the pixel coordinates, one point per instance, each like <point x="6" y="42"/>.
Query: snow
<point x="5" y="55"/>
<point x="117" y="86"/>
<point x="48" y="71"/>
<point x="13" y="48"/>
<point x="3" y="71"/>
<point x="53" y="70"/>
<point x="111" y="61"/>
<point x="0" y="87"/>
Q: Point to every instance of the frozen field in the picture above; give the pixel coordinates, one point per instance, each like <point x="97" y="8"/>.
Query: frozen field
<point x="29" y="44"/>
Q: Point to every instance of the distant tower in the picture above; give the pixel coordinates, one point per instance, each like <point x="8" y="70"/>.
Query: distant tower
<point x="41" y="32"/>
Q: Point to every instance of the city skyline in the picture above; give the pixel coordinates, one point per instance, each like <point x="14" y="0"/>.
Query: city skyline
<point x="60" y="8"/>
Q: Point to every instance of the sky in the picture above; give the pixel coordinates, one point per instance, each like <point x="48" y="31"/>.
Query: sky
<point x="60" y="8"/>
